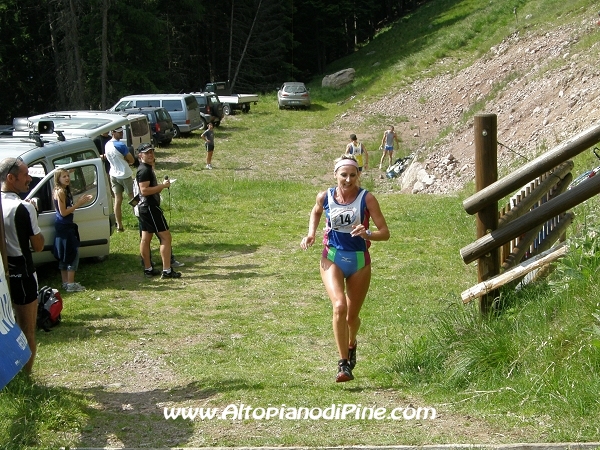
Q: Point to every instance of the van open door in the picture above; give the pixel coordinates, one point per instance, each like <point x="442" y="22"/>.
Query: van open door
<point x="96" y="220"/>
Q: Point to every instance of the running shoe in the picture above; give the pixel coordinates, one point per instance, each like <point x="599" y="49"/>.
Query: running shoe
<point x="344" y="372"/>
<point x="352" y="355"/>
<point x="175" y="263"/>
<point x="149" y="273"/>
<point x="209" y="166"/>
<point x="75" y="287"/>
<point x="170" y="274"/>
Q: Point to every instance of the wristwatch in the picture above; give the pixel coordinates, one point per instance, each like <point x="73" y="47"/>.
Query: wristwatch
<point x="369" y="233"/>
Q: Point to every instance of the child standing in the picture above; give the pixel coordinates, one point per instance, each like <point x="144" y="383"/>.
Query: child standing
<point x="66" y="242"/>
<point x="209" y="138"/>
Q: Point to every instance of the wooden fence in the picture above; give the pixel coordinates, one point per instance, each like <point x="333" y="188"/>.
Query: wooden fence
<point x="517" y="239"/>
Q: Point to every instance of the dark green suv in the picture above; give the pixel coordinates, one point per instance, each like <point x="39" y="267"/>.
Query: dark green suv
<point x="211" y="108"/>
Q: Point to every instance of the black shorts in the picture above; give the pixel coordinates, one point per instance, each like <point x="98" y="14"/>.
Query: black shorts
<point x="152" y="219"/>
<point x="210" y="147"/>
<point x="23" y="289"/>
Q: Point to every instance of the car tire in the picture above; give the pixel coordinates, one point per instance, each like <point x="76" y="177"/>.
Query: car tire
<point x="226" y="109"/>
<point x="246" y="108"/>
<point x="217" y="123"/>
<point x="165" y="142"/>
<point x="176" y="132"/>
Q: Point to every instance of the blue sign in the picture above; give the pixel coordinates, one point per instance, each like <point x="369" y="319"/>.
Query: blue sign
<point x="14" y="351"/>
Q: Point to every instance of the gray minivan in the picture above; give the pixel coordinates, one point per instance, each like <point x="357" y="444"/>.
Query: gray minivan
<point x="96" y="220"/>
<point x="183" y="108"/>
<point x="88" y="123"/>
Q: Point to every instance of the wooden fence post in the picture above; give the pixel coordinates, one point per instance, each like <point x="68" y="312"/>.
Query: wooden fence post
<point x="486" y="173"/>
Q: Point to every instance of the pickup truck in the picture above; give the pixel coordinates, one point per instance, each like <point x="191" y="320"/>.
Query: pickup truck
<point x="231" y="102"/>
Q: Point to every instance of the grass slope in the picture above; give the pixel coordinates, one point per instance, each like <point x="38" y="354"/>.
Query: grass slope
<point x="249" y="322"/>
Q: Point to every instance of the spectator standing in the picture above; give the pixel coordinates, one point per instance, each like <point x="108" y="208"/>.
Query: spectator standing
<point x="345" y="261"/>
<point x="151" y="217"/>
<point x="121" y="175"/>
<point x="136" y="212"/>
<point x="66" y="240"/>
<point x="22" y="234"/>
<point x="387" y="145"/>
<point x="358" y="150"/>
<point x="209" y="138"/>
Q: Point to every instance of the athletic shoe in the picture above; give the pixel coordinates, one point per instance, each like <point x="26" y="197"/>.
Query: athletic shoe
<point x="171" y="274"/>
<point x="64" y="286"/>
<point x="175" y="263"/>
<point x="344" y="372"/>
<point x="149" y="273"/>
<point x="209" y="166"/>
<point x="352" y="355"/>
<point x="75" y="287"/>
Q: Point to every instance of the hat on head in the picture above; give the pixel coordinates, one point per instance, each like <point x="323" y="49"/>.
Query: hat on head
<point x="117" y="130"/>
<point x="143" y="148"/>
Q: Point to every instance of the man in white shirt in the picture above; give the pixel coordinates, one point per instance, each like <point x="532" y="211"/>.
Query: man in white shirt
<point x="22" y="233"/>
<point x="121" y="175"/>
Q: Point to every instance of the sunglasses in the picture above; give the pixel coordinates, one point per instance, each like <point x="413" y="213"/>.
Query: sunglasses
<point x="13" y="165"/>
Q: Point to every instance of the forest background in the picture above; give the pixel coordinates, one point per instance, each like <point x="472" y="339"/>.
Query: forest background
<point x="86" y="54"/>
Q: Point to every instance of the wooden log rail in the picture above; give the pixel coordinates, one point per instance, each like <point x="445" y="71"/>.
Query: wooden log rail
<point x="544" y="163"/>
<point x="517" y="272"/>
<point x="534" y="218"/>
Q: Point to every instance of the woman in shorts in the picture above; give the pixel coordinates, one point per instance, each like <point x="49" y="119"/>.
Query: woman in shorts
<point x="345" y="261"/>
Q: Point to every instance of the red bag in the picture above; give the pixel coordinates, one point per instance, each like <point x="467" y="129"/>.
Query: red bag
<point x="50" y="305"/>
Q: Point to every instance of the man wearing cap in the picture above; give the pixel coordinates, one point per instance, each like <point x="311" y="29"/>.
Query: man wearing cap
<point x="152" y="220"/>
<point x="121" y="179"/>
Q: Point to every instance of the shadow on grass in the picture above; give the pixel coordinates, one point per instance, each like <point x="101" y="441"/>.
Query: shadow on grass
<point x="103" y="414"/>
<point x="135" y="418"/>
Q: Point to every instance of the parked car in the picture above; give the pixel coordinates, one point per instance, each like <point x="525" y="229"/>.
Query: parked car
<point x="211" y="108"/>
<point x="160" y="123"/>
<point x="183" y="108"/>
<point x="86" y="123"/>
<point x="96" y="220"/>
<point x="293" y="94"/>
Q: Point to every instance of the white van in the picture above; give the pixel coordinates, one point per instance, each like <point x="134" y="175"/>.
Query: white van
<point x="183" y="108"/>
<point x="96" y="220"/>
<point x="87" y="123"/>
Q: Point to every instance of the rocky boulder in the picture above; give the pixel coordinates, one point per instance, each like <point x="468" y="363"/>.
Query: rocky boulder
<point x="338" y="79"/>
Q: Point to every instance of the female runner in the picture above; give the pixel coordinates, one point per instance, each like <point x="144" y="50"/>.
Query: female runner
<point x="345" y="262"/>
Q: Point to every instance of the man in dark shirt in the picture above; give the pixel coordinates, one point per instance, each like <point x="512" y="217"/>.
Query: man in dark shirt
<point x="21" y="230"/>
<point x="152" y="219"/>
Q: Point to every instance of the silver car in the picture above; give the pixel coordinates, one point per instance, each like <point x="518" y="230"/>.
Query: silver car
<point x="293" y="95"/>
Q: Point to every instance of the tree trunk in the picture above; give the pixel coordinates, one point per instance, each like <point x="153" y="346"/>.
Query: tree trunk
<point x="104" y="63"/>
<point x="237" y="70"/>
